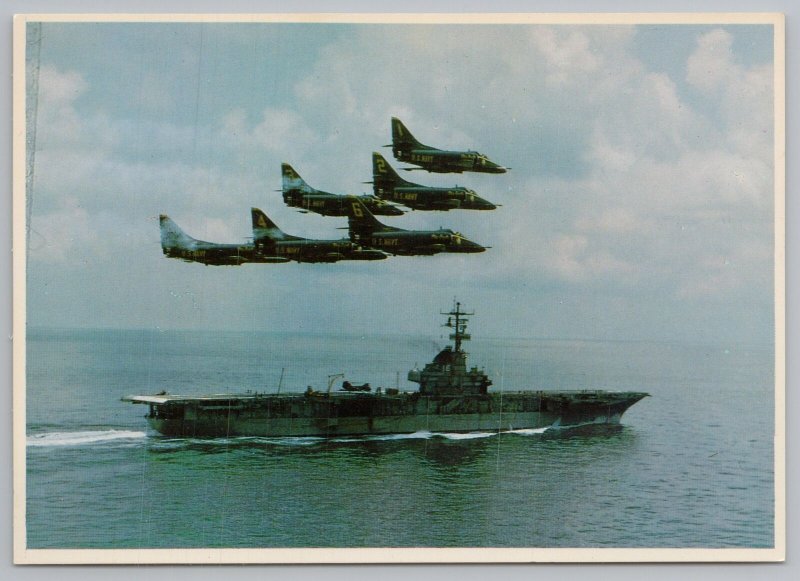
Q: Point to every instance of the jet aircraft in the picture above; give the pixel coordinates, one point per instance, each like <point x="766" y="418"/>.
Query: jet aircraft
<point x="175" y="243"/>
<point x="388" y="185"/>
<point x="367" y="231"/>
<point x="272" y="241"/>
<point x="407" y="149"/>
<point x="298" y="194"/>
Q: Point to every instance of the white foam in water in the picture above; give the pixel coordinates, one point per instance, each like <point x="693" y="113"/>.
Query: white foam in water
<point x="423" y="435"/>
<point x="529" y="431"/>
<point x="293" y="440"/>
<point x="100" y="436"/>
<point x="238" y="440"/>
<point x="467" y="436"/>
<point x="82" y="438"/>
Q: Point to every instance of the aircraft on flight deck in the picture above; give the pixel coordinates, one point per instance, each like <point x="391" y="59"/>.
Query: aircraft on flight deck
<point x="367" y="231"/>
<point x="389" y="186"/>
<point x="298" y="194"/>
<point x="272" y="241"/>
<point x="407" y="149"/>
<point x="175" y="243"/>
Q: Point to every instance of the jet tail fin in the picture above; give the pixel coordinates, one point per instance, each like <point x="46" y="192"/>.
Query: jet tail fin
<point x="402" y="137"/>
<point x="266" y="229"/>
<point x="292" y="182"/>
<point x="172" y="236"/>
<point x="361" y="221"/>
<point x="384" y="176"/>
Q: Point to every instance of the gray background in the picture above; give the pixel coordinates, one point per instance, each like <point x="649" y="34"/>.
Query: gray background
<point x="467" y="573"/>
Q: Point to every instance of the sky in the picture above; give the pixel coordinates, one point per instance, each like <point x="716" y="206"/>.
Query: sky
<point x="639" y="206"/>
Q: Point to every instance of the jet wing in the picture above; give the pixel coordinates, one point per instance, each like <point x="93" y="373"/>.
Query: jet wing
<point x="272" y="259"/>
<point x="445" y="204"/>
<point x="428" y="250"/>
<point x="327" y="257"/>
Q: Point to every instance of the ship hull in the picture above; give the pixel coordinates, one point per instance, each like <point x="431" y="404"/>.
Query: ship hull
<point x="373" y="414"/>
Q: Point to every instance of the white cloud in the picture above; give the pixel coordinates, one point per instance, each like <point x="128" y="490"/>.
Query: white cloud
<point x="62" y="235"/>
<point x="574" y="260"/>
<point x="614" y="220"/>
<point x="566" y="55"/>
<point x="59" y="87"/>
<point x="278" y="131"/>
<point x="743" y="95"/>
<point x="56" y="116"/>
<point x="711" y="65"/>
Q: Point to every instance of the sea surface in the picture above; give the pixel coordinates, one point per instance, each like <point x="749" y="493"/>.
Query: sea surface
<point x="691" y="466"/>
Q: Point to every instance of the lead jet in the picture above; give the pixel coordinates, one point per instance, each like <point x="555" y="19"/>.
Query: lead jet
<point x="272" y="241"/>
<point x="175" y="243"/>
<point x="388" y="185"/>
<point x="298" y="194"/>
<point x="367" y="231"/>
<point x="407" y="149"/>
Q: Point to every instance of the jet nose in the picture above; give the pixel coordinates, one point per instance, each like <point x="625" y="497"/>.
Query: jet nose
<point x="472" y="247"/>
<point x="488" y="166"/>
<point x="461" y="244"/>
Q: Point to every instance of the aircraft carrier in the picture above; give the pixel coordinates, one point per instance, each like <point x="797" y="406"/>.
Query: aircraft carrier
<point x="451" y="398"/>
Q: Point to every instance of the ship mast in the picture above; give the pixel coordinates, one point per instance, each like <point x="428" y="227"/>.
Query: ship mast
<point x="457" y="320"/>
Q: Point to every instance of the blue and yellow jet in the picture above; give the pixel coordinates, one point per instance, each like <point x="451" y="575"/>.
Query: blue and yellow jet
<point x="407" y="149"/>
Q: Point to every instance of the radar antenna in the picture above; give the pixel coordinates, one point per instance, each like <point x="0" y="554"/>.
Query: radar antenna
<point x="457" y="320"/>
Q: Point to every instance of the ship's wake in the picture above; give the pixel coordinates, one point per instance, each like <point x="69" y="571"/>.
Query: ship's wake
<point x="165" y="443"/>
<point x="426" y="435"/>
<point x="82" y="438"/>
<point x="128" y="437"/>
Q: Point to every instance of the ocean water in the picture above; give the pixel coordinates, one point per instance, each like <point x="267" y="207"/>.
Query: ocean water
<point x="691" y="466"/>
